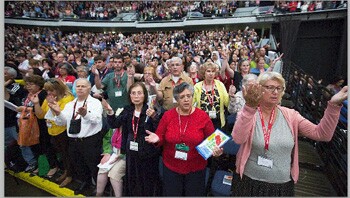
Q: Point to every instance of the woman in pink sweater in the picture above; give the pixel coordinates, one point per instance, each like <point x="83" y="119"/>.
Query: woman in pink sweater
<point x="267" y="160"/>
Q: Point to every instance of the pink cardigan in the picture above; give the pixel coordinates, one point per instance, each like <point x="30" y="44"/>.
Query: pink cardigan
<point x="242" y="132"/>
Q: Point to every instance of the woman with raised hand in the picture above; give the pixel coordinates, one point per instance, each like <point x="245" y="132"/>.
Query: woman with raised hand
<point x="180" y="130"/>
<point x="142" y="158"/>
<point x="59" y="92"/>
<point x="267" y="160"/>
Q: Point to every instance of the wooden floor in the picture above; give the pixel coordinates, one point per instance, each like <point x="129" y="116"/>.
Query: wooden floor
<point x="312" y="181"/>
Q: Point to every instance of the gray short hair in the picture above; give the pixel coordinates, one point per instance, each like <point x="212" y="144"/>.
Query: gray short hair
<point x="175" y="58"/>
<point x="247" y="78"/>
<point x="180" y="88"/>
<point x="12" y="72"/>
<point x="86" y="69"/>
<point x="85" y="80"/>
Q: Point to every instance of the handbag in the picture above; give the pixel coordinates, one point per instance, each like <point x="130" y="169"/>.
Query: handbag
<point x="222" y="183"/>
<point x="29" y="131"/>
<point x="75" y="124"/>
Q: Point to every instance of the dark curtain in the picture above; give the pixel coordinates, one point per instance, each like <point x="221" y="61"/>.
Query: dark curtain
<point x="289" y="32"/>
<point x="343" y="51"/>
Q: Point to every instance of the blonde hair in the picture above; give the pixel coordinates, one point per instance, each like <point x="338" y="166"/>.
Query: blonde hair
<point x="56" y="84"/>
<point x="266" y="76"/>
<point x="151" y="70"/>
<point x="207" y="65"/>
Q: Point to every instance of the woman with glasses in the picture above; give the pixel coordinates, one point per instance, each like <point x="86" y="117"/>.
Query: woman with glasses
<point x="56" y="91"/>
<point x="180" y="130"/>
<point x="34" y="86"/>
<point x="267" y="160"/>
<point x="142" y="158"/>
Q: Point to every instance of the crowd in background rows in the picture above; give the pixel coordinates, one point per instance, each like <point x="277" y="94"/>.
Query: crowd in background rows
<point x="144" y="47"/>
<point x="150" y="10"/>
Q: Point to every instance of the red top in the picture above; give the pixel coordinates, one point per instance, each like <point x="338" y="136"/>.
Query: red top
<point x="68" y="78"/>
<point x="199" y="127"/>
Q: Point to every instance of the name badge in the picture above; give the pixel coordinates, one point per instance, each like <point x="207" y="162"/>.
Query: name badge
<point x="212" y="114"/>
<point x="262" y="161"/>
<point x="48" y="124"/>
<point x="118" y="93"/>
<point x="181" y="155"/>
<point x="181" y="151"/>
<point x="134" y="146"/>
<point x="174" y="101"/>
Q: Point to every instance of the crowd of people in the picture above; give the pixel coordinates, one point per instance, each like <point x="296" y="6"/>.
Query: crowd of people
<point x="150" y="10"/>
<point x="133" y="98"/>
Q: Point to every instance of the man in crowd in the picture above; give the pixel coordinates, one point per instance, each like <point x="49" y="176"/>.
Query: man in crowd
<point x="176" y="76"/>
<point x="85" y="139"/>
<point x="116" y="84"/>
<point x="101" y="67"/>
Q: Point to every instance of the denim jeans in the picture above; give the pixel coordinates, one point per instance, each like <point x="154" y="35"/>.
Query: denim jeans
<point x="27" y="154"/>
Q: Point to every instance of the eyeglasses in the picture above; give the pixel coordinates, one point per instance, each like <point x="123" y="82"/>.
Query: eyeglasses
<point x="272" y="89"/>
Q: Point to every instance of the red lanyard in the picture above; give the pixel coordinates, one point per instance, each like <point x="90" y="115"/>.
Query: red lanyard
<point x="118" y="77"/>
<point x="211" y="97"/>
<point x="75" y="104"/>
<point x="269" y="127"/>
<point x="174" y="84"/>
<point x="182" y="133"/>
<point x="135" y="129"/>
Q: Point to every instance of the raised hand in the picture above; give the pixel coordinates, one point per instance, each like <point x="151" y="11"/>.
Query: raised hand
<point x="252" y="94"/>
<point x="150" y="81"/>
<point x="130" y="71"/>
<point x="34" y="99"/>
<point x="94" y="70"/>
<point x="55" y="108"/>
<point x="232" y="90"/>
<point x="152" y="137"/>
<point x="339" y="97"/>
<point x="82" y="110"/>
<point x="150" y="112"/>
<point x="51" y="98"/>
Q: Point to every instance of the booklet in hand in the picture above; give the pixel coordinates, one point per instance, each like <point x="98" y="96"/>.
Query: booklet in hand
<point x="217" y="138"/>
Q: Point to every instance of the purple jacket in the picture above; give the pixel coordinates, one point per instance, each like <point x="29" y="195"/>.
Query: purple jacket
<point x="243" y="130"/>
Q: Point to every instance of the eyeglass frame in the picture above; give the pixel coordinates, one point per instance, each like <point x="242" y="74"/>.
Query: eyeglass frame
<point x="272" y="89"/>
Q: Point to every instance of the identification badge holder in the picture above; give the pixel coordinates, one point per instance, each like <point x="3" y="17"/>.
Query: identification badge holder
<point x="181" y="151"/>
<point x="48" y="124"/>
<point x="212" y="114"/>
<point x="118" y="93"/>
<point x="134" y="146"/>
<point x="263" y="161"/>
